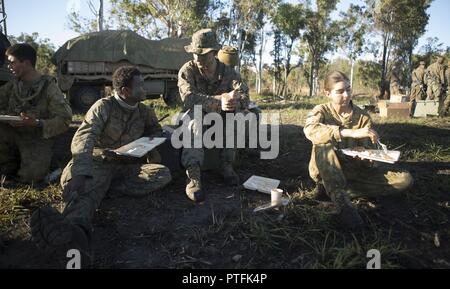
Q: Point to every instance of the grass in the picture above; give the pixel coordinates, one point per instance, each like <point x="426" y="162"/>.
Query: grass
<point x="410" y="232"/>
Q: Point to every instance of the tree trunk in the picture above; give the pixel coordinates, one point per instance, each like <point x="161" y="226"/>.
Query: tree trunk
<point x="384" y="65"/>
<point x="410" y="67"/>
<point x="261" y="49"/>
<point x="311" y="78"/>
<point x="100" y="16"/>
<point x="352" y="66"/>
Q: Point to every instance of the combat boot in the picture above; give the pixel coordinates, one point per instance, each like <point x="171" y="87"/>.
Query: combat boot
<point x="319" y="193"/>
<point x="194" y="186"/>
<point x="53" y="233"/>
<point x="347" y="214"/>
<point x="229" y="175"/>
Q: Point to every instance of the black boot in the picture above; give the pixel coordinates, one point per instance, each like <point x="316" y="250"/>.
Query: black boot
<point x="320" y="194"/>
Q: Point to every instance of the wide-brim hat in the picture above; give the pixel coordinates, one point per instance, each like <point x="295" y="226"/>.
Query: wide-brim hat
<point x="203" y="41"/>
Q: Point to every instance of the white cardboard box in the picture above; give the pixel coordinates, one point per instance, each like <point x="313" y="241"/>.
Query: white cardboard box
<point x="261" y="184"/>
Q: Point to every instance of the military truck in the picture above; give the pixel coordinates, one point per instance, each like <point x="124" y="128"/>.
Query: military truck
<point x="85" y="65"/>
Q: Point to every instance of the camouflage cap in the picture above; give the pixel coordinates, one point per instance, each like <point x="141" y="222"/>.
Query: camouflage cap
<point x="229" y="56"/>
<point x="203" y="41"/>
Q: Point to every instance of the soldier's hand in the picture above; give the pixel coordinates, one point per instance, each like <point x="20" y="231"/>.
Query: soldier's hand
<point x="27" y="120"/>
<point x="228" y="102"/>
<point x="74" y="188"/>
<point x="365" y="132"/>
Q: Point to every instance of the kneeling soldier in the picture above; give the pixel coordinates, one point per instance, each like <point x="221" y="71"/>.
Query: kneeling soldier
<point x="109" y="124"/>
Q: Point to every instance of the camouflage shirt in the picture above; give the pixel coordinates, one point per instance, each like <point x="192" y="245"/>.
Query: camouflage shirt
<point x="42" y="99"/>
<point x="108" y="125"/>
<point x="418" y="76"/>
<point x="435" y="72"/>
<point x="323" y="124"/>
<point x="196" y="89"/>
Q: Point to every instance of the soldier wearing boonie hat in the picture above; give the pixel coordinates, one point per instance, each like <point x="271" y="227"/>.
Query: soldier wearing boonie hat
<point x="215" y="86"/>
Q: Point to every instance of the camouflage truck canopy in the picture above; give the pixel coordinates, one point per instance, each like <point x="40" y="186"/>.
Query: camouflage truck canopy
<point x="117" y="45"/>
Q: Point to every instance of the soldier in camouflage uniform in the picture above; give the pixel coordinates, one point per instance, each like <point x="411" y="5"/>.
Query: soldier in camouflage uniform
<point x="93" y="171"/>
<point x="216" y="87"/>
<point x="394" y="82"/>
<point x="418" y="85"/>
<point x="340" y="124"/>
<point x="435" y="76"/>
<point x="26" y="146"/>
<point x="446" y="106"/>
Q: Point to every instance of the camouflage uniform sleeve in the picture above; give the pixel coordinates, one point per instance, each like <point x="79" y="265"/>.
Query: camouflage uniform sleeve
<point x="242" y="88"/>
<point x="442" y="75"/>
<point x="152" y="126"/>
<point x="191" y="96"/>
<point x="367" y="122"/>
<point x="59" y="111"/>
<point x="84" y="139"/>
<point x="318" y="132"/>
<point x="4" y="96"/>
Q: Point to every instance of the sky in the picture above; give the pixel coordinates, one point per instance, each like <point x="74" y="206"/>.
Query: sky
<point x="49" y="18"/>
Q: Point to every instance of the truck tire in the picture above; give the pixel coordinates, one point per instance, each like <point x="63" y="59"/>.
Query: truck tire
<point x="83" y="97"/>
<point x="172" y="98"/>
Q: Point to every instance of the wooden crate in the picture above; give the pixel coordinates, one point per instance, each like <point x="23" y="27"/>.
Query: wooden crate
<point x="394" y="110"/>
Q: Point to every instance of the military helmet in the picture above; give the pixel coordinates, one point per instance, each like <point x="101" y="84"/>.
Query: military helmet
<point x="229" y="56"/>
<point x="203" y="41"/>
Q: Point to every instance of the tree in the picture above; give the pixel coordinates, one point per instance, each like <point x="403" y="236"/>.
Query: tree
<point x="321" y="34"/>
<point x="289" y="20"/>
<point x="400" y="23"/>
<point x="430" y="49"/>
<point x="161" y="18"/>
<point x="355" y="26"/>
<point x="44" y="49"/>
<point x="247" y="17"/>
<point x="81" y="24"/>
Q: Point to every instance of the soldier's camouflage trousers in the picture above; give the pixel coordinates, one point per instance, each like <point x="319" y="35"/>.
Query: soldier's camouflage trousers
<point x="434" y="90"/>
<point x="127" y="179"/>
<point x="27" y="154"/>
<point x="445" y="111"/>
<point x="205" y="158"/>
<point x="417" y="93"/>
<point x="341" y="173"/>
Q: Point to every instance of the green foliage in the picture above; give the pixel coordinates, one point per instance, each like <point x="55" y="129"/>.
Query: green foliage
<point x="321" y="36"/>
<point x="354" y="28"/>
<point x="289" y="20"/>
<point x="161" y="18"/>
<point x="44" y="49"/>
<point x="368" y="73"/>
<point x="400" y="23"/>
<point x="429" y="51"/>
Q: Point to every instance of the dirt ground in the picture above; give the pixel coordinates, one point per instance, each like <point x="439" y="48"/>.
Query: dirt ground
<point x="167" y="230"/>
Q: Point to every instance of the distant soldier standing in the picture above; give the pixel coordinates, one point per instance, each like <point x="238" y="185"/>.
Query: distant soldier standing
<point x="394" y="82"/>
<point x="446" y="107"/>
<point x="26" y="146"/>
<point x="216" y="87"/>
<point x="418" y="85"/>
<point x="435" y="76"/>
